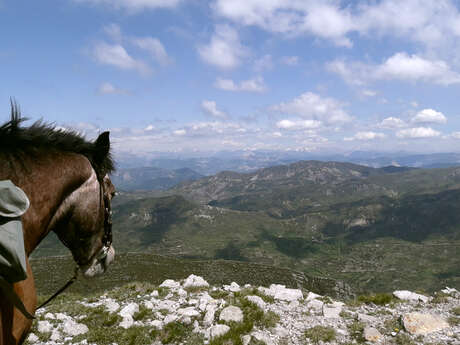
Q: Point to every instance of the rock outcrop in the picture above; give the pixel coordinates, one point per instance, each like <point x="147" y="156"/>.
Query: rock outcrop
<point x="191" y="311"/>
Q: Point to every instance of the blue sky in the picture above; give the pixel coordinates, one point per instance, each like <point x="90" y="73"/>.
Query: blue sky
<point x="203" y="76"/>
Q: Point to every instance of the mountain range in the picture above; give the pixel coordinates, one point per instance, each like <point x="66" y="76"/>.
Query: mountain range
<point x="371" y="227"/>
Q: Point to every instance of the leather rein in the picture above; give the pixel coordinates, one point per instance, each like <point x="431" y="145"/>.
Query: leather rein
<point x="106" y="243"/>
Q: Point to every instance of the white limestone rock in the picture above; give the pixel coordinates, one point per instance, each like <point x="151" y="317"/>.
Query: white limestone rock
<point x="332" y="311"/>
<point x="170" y="284"/>
<point x="73" y="328"/>
<point x="189" y="311"/>
<point x="280" y="292"/>
<point x="148" y="305"/>
<point x="210" y="314"/>
<point x="194" y="281"/>
<point x="32" y="338"/>
<point x="170" y="318"/>
<point x="257" y="301"/>
<point x="246" y="339"/>
<point x="50" y="316"/>
<point x="44" y="326"/>
<point x="157" y="324"/>
<point x="316" y="305"/>
<point x="311" y="296"/>
<point x="129" y="310"/>
<point x="231" y="313"/>
<point x="111" y="305"/>
<point x="218" y="330"/>
<point x="371" y="334"/>
<point x="55" y="335"/>
<point x="367" y="318"/>
<point x="233" y="287"/>
<point x="418" y="323"/>
<point x="406" y="295"/>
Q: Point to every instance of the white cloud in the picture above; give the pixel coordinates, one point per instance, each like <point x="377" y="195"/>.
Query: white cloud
<point x="392" y="123"/>
<point x="250" y="85"/>
<point x="429" y="116"/>
<point x="369" y="93"/>
<point x="290" y="60"/>
<point x="312" y="106"/>
<point x="114" y="32"/>
<point x="117" y="56"/>
<point x="430" y="23"/>
<point x="149" y="128"/>
<point x="180" y="132"/>
<point x="264" y="63"/>
<point x="369" y="135"/>
<point x="413" y="67"/>
<point x="134" y="5"/>
<point x="291" y="17"/>
<point x="455" y="135"/>
<point x="400" y="66"/>
<point x="418" y="132"/>
<point x="210" y="108"/>
<point x="298" y="124"/>
<point x="154" y="47"/>
<point x="224" y="50"/>
<point x="107" y="88"/>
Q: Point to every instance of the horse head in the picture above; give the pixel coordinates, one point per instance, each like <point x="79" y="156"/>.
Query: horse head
<point x="85" y="222"/>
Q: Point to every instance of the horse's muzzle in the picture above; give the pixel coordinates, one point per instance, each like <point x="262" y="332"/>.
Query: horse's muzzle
<point x="100" y="262"/>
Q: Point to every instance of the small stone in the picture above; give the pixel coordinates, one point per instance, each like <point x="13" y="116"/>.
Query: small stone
<point x="171" y="284"/>
<point x="371" y="334"/>
<point x="111" y="305"/>
<point x="417" y="323"/>
<point x="233" y="287"/>
<point x="209" y="316"/>
<point x="182" y="293"/>
<point x="127" y="322"/>
<point x="194" y="281"/>
<point x="332" y="311"/>
<point x="246" y="339"/>
<point x="44" y="326"/>
<point x="55" y="335"/>
<point x="157" y="324"/>
<point x="129" y="310"/>
<point x="50" y="316"/>
<point x="311" y="296"/>
<point x="367" y="318"/>
<point x="189" y="311"/>
<point x="231" y="313"/>
<point x="257" y="301"/>
<point x="170" y="318"/>
<point x="148" y="305"/>
<point x="218" y="330"/>
<point x="32" y="338"/>
<point x="316" y="305"/>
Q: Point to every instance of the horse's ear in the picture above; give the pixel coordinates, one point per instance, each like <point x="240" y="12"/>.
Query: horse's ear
<point x="102" y="145"/>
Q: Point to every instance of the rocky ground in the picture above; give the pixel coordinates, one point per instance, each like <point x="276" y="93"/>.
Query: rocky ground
<point x="192" y="312"/>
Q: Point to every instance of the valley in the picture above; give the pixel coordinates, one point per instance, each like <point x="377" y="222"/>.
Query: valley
<point x="373" y="228"/>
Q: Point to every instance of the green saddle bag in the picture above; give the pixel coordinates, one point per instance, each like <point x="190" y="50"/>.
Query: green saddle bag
<point x="13" y="204"/>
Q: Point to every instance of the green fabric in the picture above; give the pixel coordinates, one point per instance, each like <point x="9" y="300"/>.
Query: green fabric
<point x="13" y="203"/>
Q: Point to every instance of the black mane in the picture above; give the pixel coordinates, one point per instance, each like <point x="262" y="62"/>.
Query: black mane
<point x="15" y="139"/>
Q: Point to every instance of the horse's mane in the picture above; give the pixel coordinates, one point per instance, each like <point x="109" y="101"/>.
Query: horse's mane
<point x="16" y="139"/>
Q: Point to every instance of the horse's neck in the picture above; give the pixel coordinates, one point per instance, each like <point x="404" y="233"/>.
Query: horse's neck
<point x="49" y="180"/>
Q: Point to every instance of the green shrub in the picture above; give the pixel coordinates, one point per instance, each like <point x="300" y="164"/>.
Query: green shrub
<point x="377" y="299"/>
<point x="320" y="333"/>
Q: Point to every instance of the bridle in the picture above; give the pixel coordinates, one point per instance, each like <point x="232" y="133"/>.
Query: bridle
<point x="106" y="242"/>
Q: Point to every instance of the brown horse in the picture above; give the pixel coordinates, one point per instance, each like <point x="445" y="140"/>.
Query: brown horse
<point x="66" y="180"/>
